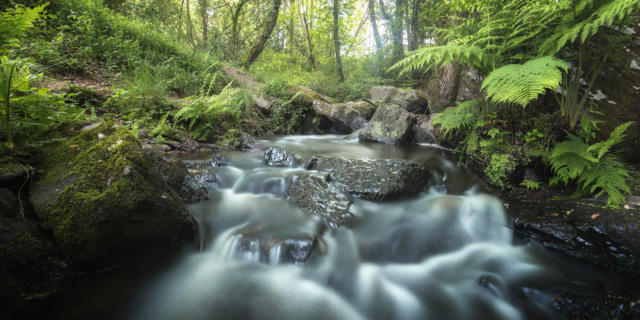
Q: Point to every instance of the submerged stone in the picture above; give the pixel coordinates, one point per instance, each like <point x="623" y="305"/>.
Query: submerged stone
<point x="276" y="157"/>
<point x="317" y="196"/>
<point x="104" y="202"/>
<point x="377" y="179"/>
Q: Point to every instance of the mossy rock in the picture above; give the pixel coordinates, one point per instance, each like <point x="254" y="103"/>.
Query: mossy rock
<point x="390" y="124"/>
<point x="104" y="201"/>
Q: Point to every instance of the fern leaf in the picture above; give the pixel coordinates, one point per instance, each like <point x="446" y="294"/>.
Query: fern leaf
<point x="426" y="58"/>
<point x="616" y="136"/>
<point x="607" y="176"/>
<point x="522" y="83"/>
<point x="465" y="115"/>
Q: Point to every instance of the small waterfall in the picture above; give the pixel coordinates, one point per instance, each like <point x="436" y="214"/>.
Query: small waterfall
<point x="446" y="253"/>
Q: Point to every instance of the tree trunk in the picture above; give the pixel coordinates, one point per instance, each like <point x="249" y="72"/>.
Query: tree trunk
<point x="307" y="24"/>
<point x="397" y="31"/>
<point x="204" y="7"/>
<point x="266" y="32"/>
<point x="336" y="38"/>
<point x="414" y="38"/>
<point x="234" y="24"/>
<point x="374" y="25"/>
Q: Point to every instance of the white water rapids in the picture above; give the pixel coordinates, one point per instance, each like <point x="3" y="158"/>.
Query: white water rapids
<point x="446" y="253"/>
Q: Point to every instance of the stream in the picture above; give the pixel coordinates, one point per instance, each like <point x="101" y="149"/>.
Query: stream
<point x="445" y="253"/>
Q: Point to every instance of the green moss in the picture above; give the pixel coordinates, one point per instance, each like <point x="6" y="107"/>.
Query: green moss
<point x="102" y="182"/>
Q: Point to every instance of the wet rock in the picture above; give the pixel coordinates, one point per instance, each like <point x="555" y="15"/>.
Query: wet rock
<point x="424" y="131"/>
<point x="8" y="204"/>
<point x="584" y="230"/>
<point x="377" y="179"/>
<point x="202" y="175"/>
<point x="310" y="163"/>
<point x="348" y="116"/>
<point x="262" y="247"/>
<point x="219" y="160"/>
<point x="603" y="306"/>
<point x="390" y="124"/>
<point x="247" y="142"/>
<point x="192" y="190"/>
<point x="317" y="196"/>
<point x="411" y="100"/>
<point x="276" y="157"/>
<point x="169" y="168"/>
<point x="104" y="202"/>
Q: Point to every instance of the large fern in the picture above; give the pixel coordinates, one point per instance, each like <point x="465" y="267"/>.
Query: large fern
<point x="14" y="24"/>
<point x="424" y="59"/>
<point x="592" y="166"/>
<point x="465" y="115"/>
<point x="584" y="19"/>
<point x="521" y="83"/>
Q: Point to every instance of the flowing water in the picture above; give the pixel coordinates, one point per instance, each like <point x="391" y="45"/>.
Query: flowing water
<point x="446" y="253"/>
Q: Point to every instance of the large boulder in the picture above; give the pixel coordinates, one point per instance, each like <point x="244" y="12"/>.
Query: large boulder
<point x="376" y="179"/>
<point x="390" y="124"/>
<point x="318" y="196"/>
<point x="348" y="116"/>
<point x="103" y="200"/>
<point x="411" y="100"/>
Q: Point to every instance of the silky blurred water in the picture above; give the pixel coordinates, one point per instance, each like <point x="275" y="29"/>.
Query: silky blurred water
<point x="446" y="253"/>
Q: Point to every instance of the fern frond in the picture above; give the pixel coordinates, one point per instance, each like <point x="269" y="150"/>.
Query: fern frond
<point x="570" y="158"/>
<point x="426" y="58"/>
<point x="15" y="22"/>
<point x="571" y="30"/>
<point x="465" y="115"/>
<point x="607" y="176"/>
<point x="616" y="136"/>
<point x="521" y="83"/>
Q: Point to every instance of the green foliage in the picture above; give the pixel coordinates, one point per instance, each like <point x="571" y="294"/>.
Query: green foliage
<point x="530" y="184"/>
<point x="592" y="166"/>
<point x="521" y="83"/>
<point x="29" y="112"/>
<point x="583" y="19"/>
<point x="466" y="115"/>
<point x="499" y="168"/>
<point x="14" y="23"/>
<point x="426" y="58"/>
<point x="144" y="91"/>
<point x="206" y="116"/>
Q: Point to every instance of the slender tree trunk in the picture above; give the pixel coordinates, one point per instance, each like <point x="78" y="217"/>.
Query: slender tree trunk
<point x="414" y="36"/>
<point x="397" y="31"/>
<point x="234" y="24"/>
<point x="189" y="25"/>
<point x="266" y="32"/>
<point x="204" y="7"/>
<point x="336" y="38"/>
<point x="306" y="23"/>
<point x="374" y="25"/>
